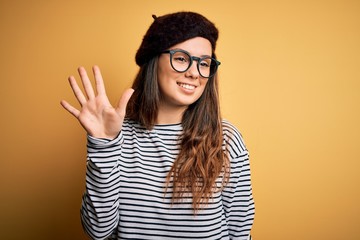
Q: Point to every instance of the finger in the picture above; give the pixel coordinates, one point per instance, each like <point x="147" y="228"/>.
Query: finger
<point x="86" y="83"/>
<point x="100" y="87"/>
<point x="121" y="109"/>
<point x="77" y="91"/>
<point x="70" y="108"/>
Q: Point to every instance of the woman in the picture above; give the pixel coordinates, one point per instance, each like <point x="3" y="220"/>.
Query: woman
<point x="163" y="164"/>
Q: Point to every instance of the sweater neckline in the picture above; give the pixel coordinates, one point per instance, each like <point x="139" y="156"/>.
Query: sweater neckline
<point x="172" y="126"/>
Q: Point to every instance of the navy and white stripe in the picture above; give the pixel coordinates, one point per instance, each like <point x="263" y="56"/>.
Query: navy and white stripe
<point x="125" y="185"/>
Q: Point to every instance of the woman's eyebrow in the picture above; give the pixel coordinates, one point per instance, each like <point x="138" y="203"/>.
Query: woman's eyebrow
<point x="201" y="56"/>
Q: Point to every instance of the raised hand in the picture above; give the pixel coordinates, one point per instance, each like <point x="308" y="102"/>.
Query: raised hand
<point x="97" y="116"/>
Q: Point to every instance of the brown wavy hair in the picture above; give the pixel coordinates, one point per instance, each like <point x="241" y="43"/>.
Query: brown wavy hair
<point x="202" y="160"/>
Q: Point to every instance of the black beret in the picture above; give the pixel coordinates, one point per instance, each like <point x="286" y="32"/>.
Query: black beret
<point x="171" y="29"/>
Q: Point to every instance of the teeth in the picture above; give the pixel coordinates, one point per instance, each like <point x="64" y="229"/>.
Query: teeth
<point x="186" y="86"/>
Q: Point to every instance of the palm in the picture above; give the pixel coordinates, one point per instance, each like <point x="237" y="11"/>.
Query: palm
<point x="98" y="117"/>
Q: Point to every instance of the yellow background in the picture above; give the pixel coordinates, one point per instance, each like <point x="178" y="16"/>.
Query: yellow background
<point x="290" y="81"/>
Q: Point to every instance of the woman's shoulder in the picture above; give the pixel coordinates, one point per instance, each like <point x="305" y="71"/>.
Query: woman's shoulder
<point x="233" y="139"/>
<point x="230" y="130"/>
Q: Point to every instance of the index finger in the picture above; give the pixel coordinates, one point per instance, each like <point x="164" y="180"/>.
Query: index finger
<point x="99" y="82"/>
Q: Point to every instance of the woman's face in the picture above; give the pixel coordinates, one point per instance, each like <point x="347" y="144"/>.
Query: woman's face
<point x="179" y="90"/>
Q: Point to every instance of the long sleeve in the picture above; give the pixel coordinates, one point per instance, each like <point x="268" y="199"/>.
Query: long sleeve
<point x="100" y="203"/>
<point x="237" y="196"/>
<point x="238" y="200"/>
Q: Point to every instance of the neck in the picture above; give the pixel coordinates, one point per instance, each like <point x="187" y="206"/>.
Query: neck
<point x="170" y="115"/>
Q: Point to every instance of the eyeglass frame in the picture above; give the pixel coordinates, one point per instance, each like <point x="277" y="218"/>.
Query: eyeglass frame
<point x="192" y="58"/>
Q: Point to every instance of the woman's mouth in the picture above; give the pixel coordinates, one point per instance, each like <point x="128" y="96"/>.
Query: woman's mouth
<point x="186" y="86"/>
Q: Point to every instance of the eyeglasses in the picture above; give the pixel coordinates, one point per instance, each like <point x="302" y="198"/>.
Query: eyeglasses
<point x="181" y="61"/>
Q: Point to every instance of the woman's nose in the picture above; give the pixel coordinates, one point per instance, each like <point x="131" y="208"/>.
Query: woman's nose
<point x="193" y="71"/>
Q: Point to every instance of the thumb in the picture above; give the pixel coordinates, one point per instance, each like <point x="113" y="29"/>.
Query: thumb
<point x="121" y="108"/>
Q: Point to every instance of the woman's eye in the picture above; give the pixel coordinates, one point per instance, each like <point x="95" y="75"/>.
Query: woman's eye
<point x="180" y="59"/>
<point x="204" y="64"/>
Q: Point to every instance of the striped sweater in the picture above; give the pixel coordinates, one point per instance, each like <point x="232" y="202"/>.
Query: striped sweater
<point x="125" y="189"/>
